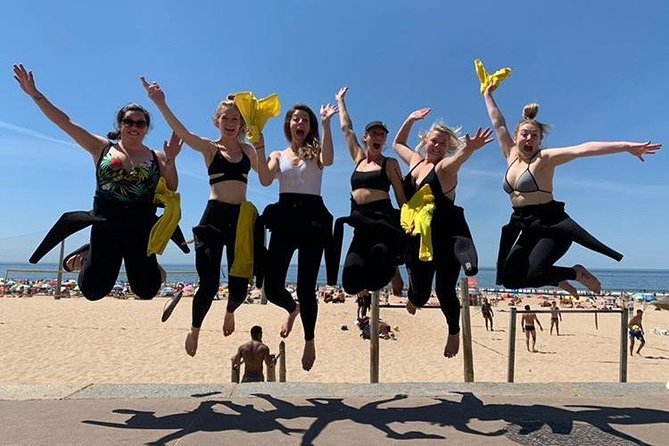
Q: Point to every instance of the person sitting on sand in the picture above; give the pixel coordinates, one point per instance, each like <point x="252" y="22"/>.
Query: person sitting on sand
<point x="254" y="353"/>
<point x="636" y="332"/>
<point x="527" y="324"/>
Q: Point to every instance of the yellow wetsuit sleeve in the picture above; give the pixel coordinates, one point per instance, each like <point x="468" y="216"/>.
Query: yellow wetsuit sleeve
<point x="486" y="80"/>
<point x="416" y="219"/>
<point x="242" y="266"/>
<point x="256" y="112"/>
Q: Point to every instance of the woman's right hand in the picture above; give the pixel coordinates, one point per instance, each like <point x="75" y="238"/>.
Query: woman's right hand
<point x="25" y="80"/>
<point x="153" y="89"/>
<point x="341" y="94"/>
<point x="420" y="114"/>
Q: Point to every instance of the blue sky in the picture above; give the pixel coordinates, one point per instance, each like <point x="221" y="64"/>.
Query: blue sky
<point x="598" y="70"/>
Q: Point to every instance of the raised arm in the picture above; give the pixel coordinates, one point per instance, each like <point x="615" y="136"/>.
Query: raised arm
<point x="565" y="154"/>
<point x="498" y="123"/>
<point x="168" y="168"/>
<point x="395" y="175"/>
<point x="480" y="139"/>
<point x="92" y="143"/>
<point x="157" y="95"/>
<point x="347" y="127"/>
<point x="327" y="150"/>
<point x="406" y="153"/>
<point x="267" y="167"/>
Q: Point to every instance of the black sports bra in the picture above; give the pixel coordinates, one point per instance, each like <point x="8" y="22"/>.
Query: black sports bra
<point x="231" y="171"/>
<point x="431" y="178"/>
<point x="375" y="179"/>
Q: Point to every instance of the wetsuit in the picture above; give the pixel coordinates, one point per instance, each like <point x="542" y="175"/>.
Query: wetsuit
<point x="378" y="240"/>
<point x="218" y="228"/>
<point x="536" y="237"/>
<point x="452" y="247"/>
<point x="298" y="221"/>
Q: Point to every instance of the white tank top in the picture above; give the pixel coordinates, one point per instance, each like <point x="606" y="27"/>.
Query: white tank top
<point x="305" y="178"/>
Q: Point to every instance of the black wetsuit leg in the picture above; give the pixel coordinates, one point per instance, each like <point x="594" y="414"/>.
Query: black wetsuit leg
<point x="308" y="263"/>
<point x="99" y="273"/>
<point x="421" y="274"/>
<point x="280" y="251"/>
<point x="447" y="268"/>
<point x="142" y="270"/>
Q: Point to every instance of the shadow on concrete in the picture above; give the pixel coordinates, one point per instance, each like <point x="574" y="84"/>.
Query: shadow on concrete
<point x="525" y="424"/>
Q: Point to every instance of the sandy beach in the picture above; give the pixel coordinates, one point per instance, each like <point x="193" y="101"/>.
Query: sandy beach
<point x="76" y="341"/>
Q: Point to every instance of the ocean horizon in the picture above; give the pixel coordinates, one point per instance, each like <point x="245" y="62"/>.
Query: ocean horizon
<point x="643" y="280"/>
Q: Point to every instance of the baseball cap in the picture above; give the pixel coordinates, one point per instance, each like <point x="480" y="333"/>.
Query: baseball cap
<point x="373" y="124"/>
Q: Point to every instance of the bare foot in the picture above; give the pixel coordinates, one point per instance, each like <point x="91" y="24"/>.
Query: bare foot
<point x="75" y="262"/>
<point x="568" y="287"/>
<point x="228" y="324"/>
<point x="191" y="341"/>
<point x="452" y="345"/>
<point x="309" y="355"/>
<point x="411" y="308"/>
<point x="163" y="274"/>
<point x="586" y="278"/>
<point x="287" y="327"/>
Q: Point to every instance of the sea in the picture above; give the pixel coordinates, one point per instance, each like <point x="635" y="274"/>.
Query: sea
<point x="631" y="280"/>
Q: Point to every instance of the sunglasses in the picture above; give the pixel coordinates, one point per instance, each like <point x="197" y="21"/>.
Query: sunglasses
<point x="141" y="124"/>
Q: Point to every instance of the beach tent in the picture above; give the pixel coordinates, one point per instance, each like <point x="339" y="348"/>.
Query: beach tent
<point x="644" y="297"/>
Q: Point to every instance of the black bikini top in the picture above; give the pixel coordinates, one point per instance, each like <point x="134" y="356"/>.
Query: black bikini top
<point x="230" y="171"/>
<point x="432" y="179"/>
<point x="524" y="183"/>
<point x="375" y="179"/>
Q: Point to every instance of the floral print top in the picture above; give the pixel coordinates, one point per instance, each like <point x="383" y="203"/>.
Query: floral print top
<point x="116" y="183"/>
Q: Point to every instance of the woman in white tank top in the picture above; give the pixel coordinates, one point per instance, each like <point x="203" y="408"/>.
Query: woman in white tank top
<point x="299" y="221"/>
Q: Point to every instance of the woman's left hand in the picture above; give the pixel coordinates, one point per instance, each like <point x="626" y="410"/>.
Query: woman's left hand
<point x="172" y="148"/>
<point x="480" y="139"/>
<point x="641" y="149"/>
<point x="328" y="111"/>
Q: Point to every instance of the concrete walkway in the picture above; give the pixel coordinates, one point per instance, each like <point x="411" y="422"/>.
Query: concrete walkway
<point x="335" y="414"/>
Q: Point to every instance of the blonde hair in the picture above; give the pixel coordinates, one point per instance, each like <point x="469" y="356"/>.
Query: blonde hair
<point x="454" y="138"/>
<point x="530" y="111"/>
<point x="230" y="103"/>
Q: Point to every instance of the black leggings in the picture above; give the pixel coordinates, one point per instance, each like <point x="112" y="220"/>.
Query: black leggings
<point x="112" y="242"/>
<point x="370" y="263"/>
<point x="452" y="248"/>
<point x="297" y="224"/>
<point x="531" y="261"/>
<point x="217" y="228"/>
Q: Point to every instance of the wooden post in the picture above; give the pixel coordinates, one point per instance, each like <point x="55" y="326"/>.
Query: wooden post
<point x="271" y="370"/>
<point x="282" y="362"/>
<point x="596" y="322"/>
<point x="374" y="340"/>
<point x="512" y="345"/>
<point x="623" y="346"/>
<point x="59" y="277"/>
<point x="234" y="375"/>
<point x="468" y="359"/>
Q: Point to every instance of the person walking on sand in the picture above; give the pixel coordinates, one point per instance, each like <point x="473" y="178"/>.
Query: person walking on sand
<point x="487" y="313"/>
<point x="527" y="324"/>
<point x="254" y="353"/>
<point x="556" y="318"/>
<point x="636" y="332"/>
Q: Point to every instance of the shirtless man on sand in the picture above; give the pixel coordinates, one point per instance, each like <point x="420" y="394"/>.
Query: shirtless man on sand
<point x="254" y="353"/>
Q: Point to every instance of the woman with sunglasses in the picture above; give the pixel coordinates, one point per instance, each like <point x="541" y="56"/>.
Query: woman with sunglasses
<point x="299" y="221"/>
<point x="228" y="160"/>
<point x="127" y="174"/>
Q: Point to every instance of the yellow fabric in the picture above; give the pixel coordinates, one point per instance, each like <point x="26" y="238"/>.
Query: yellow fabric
<point x="416" y="219"/>
<point x="242" y="266"/>
<point x="256" y="112"/>
<point x="167" y="223"/>
<point x="486" y="79"/>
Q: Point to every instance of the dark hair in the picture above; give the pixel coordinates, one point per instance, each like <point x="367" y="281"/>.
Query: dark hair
<point x="116" y="133"/>
<point x="256" y="332"/>
<point x="527" y="307"/>
<point x="312" y="145"/>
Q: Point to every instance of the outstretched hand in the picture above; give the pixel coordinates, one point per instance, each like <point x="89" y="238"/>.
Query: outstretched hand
<point x="480" y="139"/>
<point x="641" y="149"/>
<point x="420" y="114"/>
<point x="153" y="89"/>
<point x="172" y="148"/>
<point x="327" y="111"/>
<point x="341" y="94"/>
<point x="25" y="80"/>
